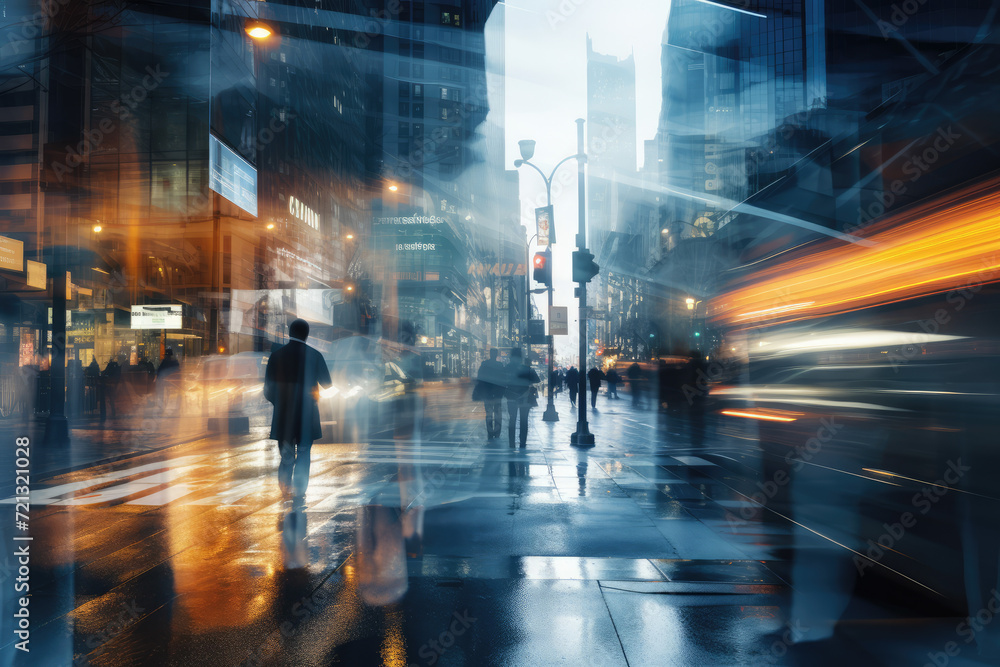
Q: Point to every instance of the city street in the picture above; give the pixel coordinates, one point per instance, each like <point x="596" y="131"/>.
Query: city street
<point x="626" y="553"/>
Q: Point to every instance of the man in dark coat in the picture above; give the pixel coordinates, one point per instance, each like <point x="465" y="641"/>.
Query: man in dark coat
<point x="491" y="390"/>
<point x="520" y="398"/>
<point x="595" y="376"/>
<point x="291" y="383"/>
<point x="573" y="384"/>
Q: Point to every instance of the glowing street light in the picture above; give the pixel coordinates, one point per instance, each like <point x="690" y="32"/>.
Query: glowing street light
<point x="258" y="30"/>
<point x="350" y="237"/>
<point x="97" y="229"/>
<point x="270" y="225"/>
<point x="393" y="187"/>
<point x="690" y="303"/>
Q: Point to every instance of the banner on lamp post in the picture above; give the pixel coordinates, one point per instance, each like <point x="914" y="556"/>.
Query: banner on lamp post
<point x="543" y="225"/>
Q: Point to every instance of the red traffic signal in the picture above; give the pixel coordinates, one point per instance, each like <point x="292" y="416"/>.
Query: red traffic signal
<point x="542" y="271"/>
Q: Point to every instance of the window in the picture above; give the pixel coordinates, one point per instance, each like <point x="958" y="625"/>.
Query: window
<point x="418" y="90"/>
<point x="445" y="18"/>
<point x="404" y="68"/>
<point x="404" y="129"/>
<point x="418" y="70"/>
<point x="404" y="89"/>
<point x="418" y="110"/>
<point x="404" y="108"/>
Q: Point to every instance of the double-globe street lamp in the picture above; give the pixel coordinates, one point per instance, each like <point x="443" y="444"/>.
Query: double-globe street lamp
<point x="527" y="147"/>
<point x="582" y="437"/>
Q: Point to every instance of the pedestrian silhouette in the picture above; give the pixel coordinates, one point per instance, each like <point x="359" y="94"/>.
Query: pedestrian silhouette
<point x="490" y="389"/>
<point x="634" y="373"/>
<point x="573" y="384"/>
<point x="613" y="380"/>
<point x="291" y="383"/>
<point x="595" y="376"/>
<point x="108" y="390"/>
<point x="521" y="395"/>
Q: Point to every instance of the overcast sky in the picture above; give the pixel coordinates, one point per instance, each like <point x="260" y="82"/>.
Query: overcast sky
<point x="546" y="89"/>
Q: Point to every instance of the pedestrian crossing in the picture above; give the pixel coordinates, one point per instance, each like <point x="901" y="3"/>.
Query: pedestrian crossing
<point x="245" y="471"/>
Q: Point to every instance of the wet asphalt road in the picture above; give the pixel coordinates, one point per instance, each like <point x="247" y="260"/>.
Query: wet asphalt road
<point x="623" y="554"/>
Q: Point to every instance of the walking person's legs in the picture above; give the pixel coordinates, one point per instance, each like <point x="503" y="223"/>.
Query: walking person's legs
<point x="593" y="397"/>
<point x="300" y="469"/>
<point x="497" y="416"/>
<point x="572" y="396"/>
<point x="511" y="421"/>
<point x="490" y="425"/>
<point x="287" y="452"/>
<point x="524" y="426"/>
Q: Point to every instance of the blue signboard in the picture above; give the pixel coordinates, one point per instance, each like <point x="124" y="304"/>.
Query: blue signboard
<point x="231" y="176"/>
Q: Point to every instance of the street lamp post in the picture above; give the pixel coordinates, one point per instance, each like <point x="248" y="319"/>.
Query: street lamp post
<point x="527" y="147"/>
<point x="582" y="437"/>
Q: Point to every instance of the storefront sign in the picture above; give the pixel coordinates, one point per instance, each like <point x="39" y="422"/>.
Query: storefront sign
<point x="416" y="246"/>
<point x="497" y="269"/>
<point x="36" y="274"/>
<point x="231" y="176"/>
<point x="411" y="220"/>
<point x="303" y="212"/>
<point x="157" y="317"/>
<point x="11" y="254"/>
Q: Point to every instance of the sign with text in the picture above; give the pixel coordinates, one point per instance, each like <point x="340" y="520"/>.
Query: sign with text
<point x="231" y="176"/>
<point x="543" y="225"/>
<point x="11" y="254"/>
<point x="157" y="317"/>
<point x="558" y="321"/>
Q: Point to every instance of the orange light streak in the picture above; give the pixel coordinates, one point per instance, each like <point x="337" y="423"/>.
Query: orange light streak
<point x="931" y="249"/>
<point x="757" y="415"/>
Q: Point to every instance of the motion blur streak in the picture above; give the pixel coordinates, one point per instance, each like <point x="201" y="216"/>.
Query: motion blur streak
<point x="948" y="244"/>
<point x="757" y="415"/>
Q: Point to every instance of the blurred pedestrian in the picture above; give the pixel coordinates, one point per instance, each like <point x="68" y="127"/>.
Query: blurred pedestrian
<point x="595" y="376"/>
<point x="291" y="383"/>
<point x="573" y="384"/>
<point x="168" y="377"/>
<point x="108" y="391"/>
<point x="521" y="395"/>
<point x="634" y="374"/>
<point x="613" y="380"/>
<point x="92" y="390"/>
<point x="490" y="389"/>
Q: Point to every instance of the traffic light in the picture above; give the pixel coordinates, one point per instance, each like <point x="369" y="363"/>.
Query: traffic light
<point x="584" y="266"/>
<point x="542" y="272"/>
